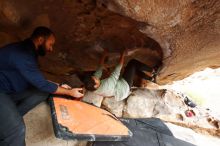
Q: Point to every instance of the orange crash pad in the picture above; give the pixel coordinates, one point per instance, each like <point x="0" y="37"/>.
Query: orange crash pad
<point x="78" y="120"/>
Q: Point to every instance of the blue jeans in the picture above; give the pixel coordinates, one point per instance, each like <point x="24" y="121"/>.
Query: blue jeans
<point x="12" y="109"/>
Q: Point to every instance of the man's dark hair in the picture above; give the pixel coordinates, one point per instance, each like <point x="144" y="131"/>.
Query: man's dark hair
<point x="41" y="31"/>
<point x="89" y="83"/>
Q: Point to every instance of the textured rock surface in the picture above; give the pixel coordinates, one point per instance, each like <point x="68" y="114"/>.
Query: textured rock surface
<point x="116" y="107"/>
<point x="140" y="104"/>
<point x="188" y="32"/>
<point x="82" y="28"/>
<point x="144" y="103"/>
<point x="168" y="106"/>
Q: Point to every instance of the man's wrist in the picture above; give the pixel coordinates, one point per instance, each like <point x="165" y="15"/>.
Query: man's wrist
<point x="67" y="91"/>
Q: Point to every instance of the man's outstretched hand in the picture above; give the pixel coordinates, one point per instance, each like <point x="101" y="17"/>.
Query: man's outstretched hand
<point x="66" y="86"/>
<point x="76" y="92"/>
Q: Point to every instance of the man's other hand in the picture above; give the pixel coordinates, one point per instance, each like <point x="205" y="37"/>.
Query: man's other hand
<point x="77" y="92"/>
<point x="66" y="86"/>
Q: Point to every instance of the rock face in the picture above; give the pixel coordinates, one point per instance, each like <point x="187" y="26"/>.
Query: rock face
<point x="141" y="103"/>
<point x="83" y="29"/>
<point x="188" y="31"/>
<point x="184" y="35"/>
<point x="116" y="107"/>
<point x="166" y="105"/>
<point x="144" y="103"/>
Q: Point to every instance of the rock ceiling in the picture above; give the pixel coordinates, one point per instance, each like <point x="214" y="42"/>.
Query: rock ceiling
<point x="184" y="35"/>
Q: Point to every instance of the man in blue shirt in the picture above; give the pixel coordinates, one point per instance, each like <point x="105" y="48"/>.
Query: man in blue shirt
<point x="22" y="86"/>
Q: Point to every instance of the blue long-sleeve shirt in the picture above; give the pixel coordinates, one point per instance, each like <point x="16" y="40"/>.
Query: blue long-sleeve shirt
<point x="19" y="69"/>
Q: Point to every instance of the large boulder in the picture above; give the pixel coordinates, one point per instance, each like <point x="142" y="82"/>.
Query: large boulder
<point x="115" y="107"/>
<point x="170" y="107"/>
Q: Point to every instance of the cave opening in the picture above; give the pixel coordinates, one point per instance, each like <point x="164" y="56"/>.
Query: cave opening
<point x="202" y="88"/>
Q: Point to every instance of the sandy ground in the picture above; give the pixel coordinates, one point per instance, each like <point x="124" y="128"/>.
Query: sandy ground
<point x="193" y="137"/>
<point x="203" y="88"/>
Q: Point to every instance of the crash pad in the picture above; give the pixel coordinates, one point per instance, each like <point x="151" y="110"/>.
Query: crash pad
<point x="146" y="132"/>
<point x="74" y="119"/>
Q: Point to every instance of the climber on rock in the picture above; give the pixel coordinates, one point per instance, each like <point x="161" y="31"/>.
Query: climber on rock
<point x="22" y="85"/>
<point x="115" y="85"/>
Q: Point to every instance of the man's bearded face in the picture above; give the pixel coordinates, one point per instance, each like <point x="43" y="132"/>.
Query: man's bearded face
<point x="42" y="50"/>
